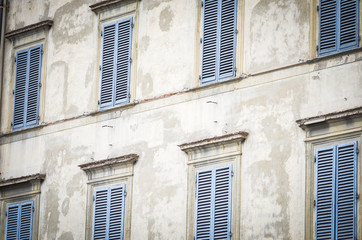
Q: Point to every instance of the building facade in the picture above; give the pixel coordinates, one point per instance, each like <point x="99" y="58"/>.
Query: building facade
<point x="180" y="119"/>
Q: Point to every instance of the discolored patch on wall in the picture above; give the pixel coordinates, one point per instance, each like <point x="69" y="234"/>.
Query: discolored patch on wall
<point x="51" y="213"/>
<point x="65" y="206"/>
<point x="165" y="19"/>
<point x="145" y="42"/>
<point x="146" y="85"/>
<point x="66" y="236"/>
<point x="151" y="4"/>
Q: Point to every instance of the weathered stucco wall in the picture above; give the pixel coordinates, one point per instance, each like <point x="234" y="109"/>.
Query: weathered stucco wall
<point x="267" y="105"/>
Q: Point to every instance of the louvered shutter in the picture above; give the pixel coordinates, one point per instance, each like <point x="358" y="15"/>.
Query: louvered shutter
<point x="222" y="212"/>
<point x="20" y="89"/>
<point x="204" y="194"/>
<point x="108" y="65"/>
<point x="348" y="24"/>
<point x="33" y="85"/>
<point x="12" y="222"/>
<point x="227" y="39"/>
<point x="26" y="220"/>
<point x="100" y="214"/>
<point x="328" y="10"/>
<point x="325" y="194"/>
<point x="213" y="203"/>
<point x="346" y="191"/>
<point x="210" y="41"/>
<point x="116" y="212"/>
<point x="123" y="61"/>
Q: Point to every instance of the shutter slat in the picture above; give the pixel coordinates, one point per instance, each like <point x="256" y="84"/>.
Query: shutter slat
<point x="324" y="195"/>
<point x="346" y="191"/>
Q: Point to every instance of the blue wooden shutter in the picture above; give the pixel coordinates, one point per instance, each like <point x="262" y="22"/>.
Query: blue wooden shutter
<point x="12" y="222"/>
<point x="210" y="41"/>
<point x="108" y="65"/>
<point x="123" y="61"/>
<point x="325" y="202"/>
<point x="328" y="10"/>
<point x="26" y="221"/>
<point x="348" y="24"/>
<point x="227" y="39"/>
<point x="204" y="192"/>
<point x="33" y="85"/>
<point x="116" y="212"/>
<point x="20" y="92"/>
<point x="222" y="212"/>
<point x="346" y="180"/>
<point x="213" y="203"/>
<point x="100" y="214"/>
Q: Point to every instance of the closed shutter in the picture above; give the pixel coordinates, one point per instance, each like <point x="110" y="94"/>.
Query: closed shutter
<point x="108" y="65"/>
<point x="12" y="222"/>
<point x="116" y="212"/>
<point x="27" y="84"/>
<point x="100" y="215"/>
<point x="219" y="40"/>
<point x="349" y="24"/>
<point x="328" y="26"/>
<point x="116" y="63"/>
<point x="346" y="191"/>
<point x="325" y="194"/>
<point x="26" y="220"/>
<point x="109" y="213"/>
<point x="19" y="222"/>
<point x="336" y="192"/>
<point x="213" y="203"/>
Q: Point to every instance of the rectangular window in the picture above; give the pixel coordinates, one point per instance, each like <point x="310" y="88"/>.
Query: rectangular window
<point x="336" y="173"/>
<point x="213" y="203"/>
<point x="116" y="62"/>
<point x="219" y="40"/>
<point x="338" y="26"/>
<point x="27" y="85"/>
<point x="19" y="218"/>
<point x="109" y="213"/>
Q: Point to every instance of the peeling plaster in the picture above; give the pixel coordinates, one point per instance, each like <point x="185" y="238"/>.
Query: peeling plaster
<point x="165" y="19"/>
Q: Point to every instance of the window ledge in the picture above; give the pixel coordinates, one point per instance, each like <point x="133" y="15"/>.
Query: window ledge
<point x="104" y="5"/>
<point x="29" y="178"/>
<point x="317" y="59"/>
<point x="43" y="25"/>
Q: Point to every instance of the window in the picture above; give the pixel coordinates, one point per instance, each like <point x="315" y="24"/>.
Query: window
<point x="219" y="40"/>
<point x="20" y="201"/>
<point x="109" y="213"/>
<point x="213" y="203"/>
<point x="116" y="61"/>
<point x="332" y="175"/>
<point x="109" y="197"/>
<point x="338" y="26"/>
<point x="27" y="85"/>
<point x="214" y="169"/>
<point x="19" y="221"/>
<point x="336" y="169"/>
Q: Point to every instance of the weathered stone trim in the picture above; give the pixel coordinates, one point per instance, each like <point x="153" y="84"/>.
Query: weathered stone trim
<point x="130" y="158"/>
<point x="329" y="116"/>
<point x="33" y="27"/>
<point x="101" y="5"/>
<point x="29" y="178"/>
<point x="214" y="140"/>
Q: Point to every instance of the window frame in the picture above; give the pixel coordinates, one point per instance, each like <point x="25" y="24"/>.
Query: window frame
<point x="209" y="154"/>
<point x="322" y="132"/>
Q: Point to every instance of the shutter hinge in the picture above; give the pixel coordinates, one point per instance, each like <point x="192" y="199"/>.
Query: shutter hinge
<point x="316" y="48"/>
<point x="40" y="84"/>
<point x="6" y="213"/>
<point x="125" y="193"/>
<point x="359" y="37"/>
<point x="130" y="60"/>
<point x="194" y="238"/>
<point x="199" y="77"/>
<point x="129" y="95"/>
<point x="38" y="118"/>
<point x="357" y="151"/>
<point x="42" y="52"/>
<point x="99" y="102"/>
<point x="101" y="33"/>
<point x="317" y="8"/>
<point x="315" y="158"/>
<point x="132" y="25"/>
<point x="236" y="31"/>
<point x="100" y="67"/>
<point x="235" y="69"/>
<point x="33" y="209"/>
<point x="200" y="40"/>
<point x="357" y="196"/>
<point x="94" y="198"/>
<point x="13" y="91"/>
<point x="202" y="3"/>
<point x="230" y="234"/>
<point x="15" y="59"/>
<point x="232" y="173"/>
<point x="12" y="124"/>
<point x="314" y="203"/>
